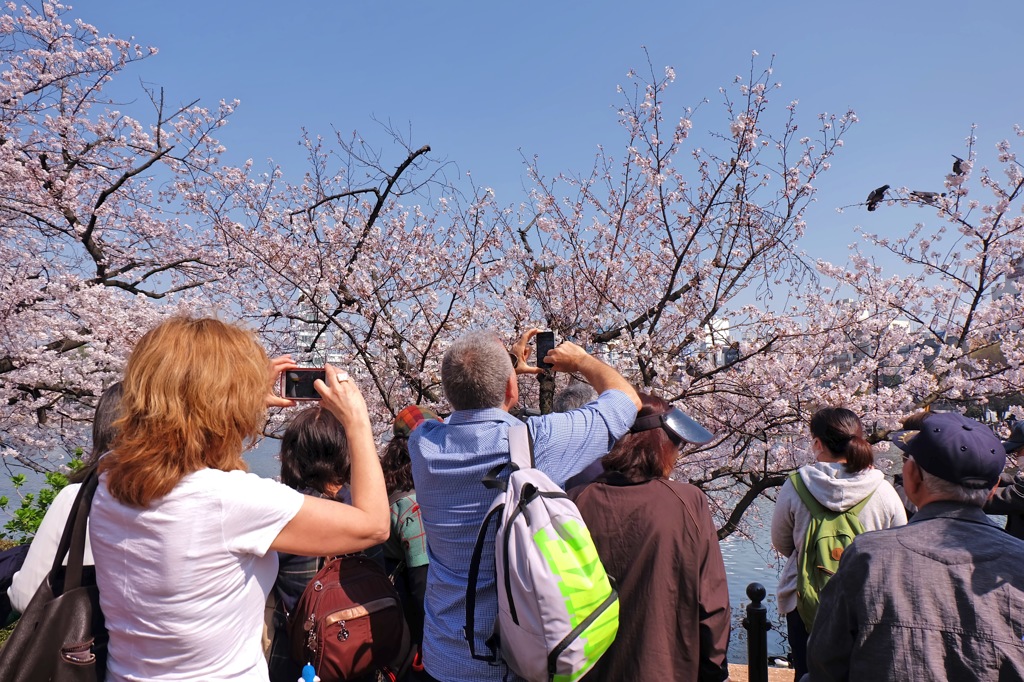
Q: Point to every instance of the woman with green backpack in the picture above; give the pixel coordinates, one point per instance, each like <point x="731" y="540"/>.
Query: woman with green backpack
<point x="819" y="510"/>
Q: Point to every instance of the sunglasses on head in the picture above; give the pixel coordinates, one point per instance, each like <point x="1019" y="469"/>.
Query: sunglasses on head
<point x="679" y="427"/>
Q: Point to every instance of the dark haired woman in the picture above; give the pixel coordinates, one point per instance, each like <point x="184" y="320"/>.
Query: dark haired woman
<point x="842" y="475"/>
<point x="656" y="537"/>
<point x="39" y="559"/>
<point x="314" y="453"/>
<point x="315" y="461"/>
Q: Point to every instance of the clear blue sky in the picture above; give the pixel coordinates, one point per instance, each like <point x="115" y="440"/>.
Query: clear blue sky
<point x="485" y="82"/>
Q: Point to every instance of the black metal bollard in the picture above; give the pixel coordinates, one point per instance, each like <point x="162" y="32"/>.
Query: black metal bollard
<point x="757" y="625"/>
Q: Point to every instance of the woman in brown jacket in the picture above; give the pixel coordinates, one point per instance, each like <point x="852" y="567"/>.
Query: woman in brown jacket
<point x="656" y="538"/>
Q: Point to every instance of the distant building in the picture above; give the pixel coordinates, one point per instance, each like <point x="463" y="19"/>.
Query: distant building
<point x="717" y="333"/>
<point x="1011" y="284"/>
<point x="314" y="338"/>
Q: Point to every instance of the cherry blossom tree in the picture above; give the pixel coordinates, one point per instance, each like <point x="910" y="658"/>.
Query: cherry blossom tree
<point x="645" y="256"/>
<point x="378" y="263"/>
<point x="945" y="328"/>
<point x="675" y="257"/>
<point x="344" y="267"/>
<point x="94" y="245"/>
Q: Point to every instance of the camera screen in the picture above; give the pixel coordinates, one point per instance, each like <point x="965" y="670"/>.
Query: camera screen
<point x="297" y="384"/>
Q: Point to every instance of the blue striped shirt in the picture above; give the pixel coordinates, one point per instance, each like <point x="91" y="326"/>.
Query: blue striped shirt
<point x="449" y="460"/>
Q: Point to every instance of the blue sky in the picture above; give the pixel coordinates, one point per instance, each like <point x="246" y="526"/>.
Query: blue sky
<point x="488" y="83"/>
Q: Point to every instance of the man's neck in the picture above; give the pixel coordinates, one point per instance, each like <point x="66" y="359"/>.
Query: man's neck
<point x="925" y="496"/>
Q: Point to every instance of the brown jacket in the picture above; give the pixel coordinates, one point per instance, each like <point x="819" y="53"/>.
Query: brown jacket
<point x="656" y="538"/>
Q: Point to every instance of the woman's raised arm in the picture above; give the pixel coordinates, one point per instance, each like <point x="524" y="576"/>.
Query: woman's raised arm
<point x="325" y="527"/>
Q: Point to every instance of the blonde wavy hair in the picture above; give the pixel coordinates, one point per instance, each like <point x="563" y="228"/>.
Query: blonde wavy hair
<point x="194" y="394"/>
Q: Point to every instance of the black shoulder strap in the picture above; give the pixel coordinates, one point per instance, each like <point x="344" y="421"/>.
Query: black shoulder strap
<point x="72" y="540"/>
<point x="474" y="574"/>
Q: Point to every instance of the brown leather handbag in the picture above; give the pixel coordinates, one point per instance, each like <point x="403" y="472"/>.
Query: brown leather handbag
<point x="61" y="636"/>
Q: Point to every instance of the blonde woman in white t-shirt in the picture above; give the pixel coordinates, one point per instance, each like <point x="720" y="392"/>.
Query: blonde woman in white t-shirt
<point x="181" y="534"/>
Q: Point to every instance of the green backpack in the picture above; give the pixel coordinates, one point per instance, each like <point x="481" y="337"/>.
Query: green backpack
<point x="829" y="533"/>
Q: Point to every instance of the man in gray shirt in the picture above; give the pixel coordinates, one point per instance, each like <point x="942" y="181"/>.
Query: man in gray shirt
<point x="941" y="598"/>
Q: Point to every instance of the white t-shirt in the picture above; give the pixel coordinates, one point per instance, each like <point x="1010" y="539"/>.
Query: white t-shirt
<point x="39" y="559"/>
<point x="183" y="583"/>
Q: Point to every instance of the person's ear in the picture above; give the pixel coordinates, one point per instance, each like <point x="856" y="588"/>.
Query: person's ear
<point x="913" y="481"/>
<point x="511" y="392"/>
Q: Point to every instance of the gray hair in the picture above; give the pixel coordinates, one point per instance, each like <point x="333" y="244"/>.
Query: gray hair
<point x="576" y="394"/>
<point x="954" y="492"/>
<point x="475" y="371"/>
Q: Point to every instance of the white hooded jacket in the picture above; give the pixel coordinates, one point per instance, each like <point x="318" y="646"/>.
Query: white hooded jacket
<point x="836" y="490"/>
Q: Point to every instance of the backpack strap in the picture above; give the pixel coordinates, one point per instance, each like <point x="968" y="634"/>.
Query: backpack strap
<point x="474" y="573"/>
<point x="520" y="446"/>
<point x="815" y="507"/>
<point x="812" y="504"/>
<point x="859" y="507"/>
<point x="520" y="449"/>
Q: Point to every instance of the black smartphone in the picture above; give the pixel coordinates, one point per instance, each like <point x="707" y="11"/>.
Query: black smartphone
<point x="297" y="383"/>
<point x="545" y="342"/>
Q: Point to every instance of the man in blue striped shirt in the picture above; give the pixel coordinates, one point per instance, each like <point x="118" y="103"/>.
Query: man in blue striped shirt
<point x="449" y="460"/>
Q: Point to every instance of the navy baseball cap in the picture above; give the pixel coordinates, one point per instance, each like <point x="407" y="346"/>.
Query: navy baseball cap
<point x="955" y="448"/>
<point x="1016" y="439"/>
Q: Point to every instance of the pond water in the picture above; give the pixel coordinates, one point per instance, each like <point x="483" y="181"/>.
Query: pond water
<point x="748" y="559"/>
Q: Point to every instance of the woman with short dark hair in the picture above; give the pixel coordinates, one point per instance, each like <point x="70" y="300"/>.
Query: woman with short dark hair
<point x="315" y="461"/>
<point x="314" y="453"/>
<point x="656" y="538"/>
<point x="39" y="559"/>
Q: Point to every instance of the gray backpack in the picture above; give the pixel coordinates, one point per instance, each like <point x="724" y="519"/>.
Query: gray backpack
<point x="557" y="609"/>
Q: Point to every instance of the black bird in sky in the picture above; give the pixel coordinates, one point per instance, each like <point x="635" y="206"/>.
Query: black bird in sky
<point x="957" y="168"/>
<point x="926" y="197"/>
<point x="876" y="197"/>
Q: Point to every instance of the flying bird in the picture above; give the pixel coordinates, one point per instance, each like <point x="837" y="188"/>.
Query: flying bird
<point x="876" y="197"/>
<point x="957" y="168"/>
<point x="926" y="197"/>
